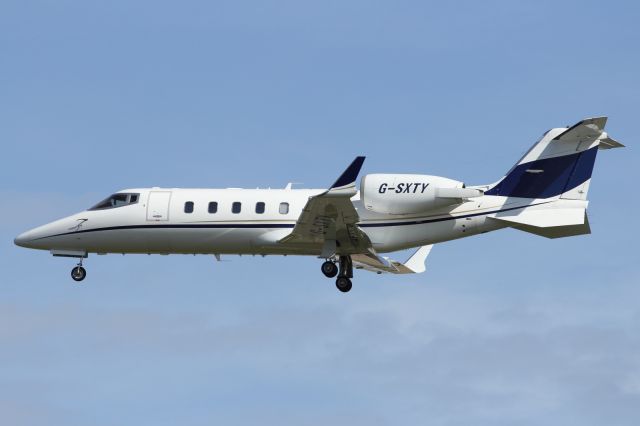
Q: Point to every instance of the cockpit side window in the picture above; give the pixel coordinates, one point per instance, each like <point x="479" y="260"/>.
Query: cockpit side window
<point x="117" y="200"/>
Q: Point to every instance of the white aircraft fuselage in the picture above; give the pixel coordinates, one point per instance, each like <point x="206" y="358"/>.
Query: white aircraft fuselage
<point x="162" y="226"/>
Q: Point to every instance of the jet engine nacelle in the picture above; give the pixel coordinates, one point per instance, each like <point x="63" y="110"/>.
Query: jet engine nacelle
<point x="410" y="194"/>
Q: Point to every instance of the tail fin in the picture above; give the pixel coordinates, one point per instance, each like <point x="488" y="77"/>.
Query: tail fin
<point x="557" y="167"/>
<point x="559" y="164"/>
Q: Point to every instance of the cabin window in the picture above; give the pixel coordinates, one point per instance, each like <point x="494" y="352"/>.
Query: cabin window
<point x="188" y="207"/>
<point x="236" y="207"/>
<point x="260" y="207"/>
<point x="117" y="200"/>
<point x="284" y="208"/>
<point x="213" y="207"/>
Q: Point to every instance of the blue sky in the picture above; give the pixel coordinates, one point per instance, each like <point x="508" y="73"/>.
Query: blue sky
<point x="504" y="328"/>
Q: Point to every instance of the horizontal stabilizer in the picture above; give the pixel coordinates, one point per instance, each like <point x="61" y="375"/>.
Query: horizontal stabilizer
<point x="374" y="263"/>
<point x="557" y="231"/>
<point x="607" y="142"/>
<point x="549" y="223"/>
<point x="544" y="218"/>
<point x="588" y="129"/>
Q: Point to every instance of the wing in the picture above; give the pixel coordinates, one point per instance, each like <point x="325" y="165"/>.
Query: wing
<point x="374" y="263"/>
<point x="329" y="220"/>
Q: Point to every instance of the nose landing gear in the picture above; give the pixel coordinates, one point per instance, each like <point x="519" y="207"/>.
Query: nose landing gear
<point x="78" y="273"/>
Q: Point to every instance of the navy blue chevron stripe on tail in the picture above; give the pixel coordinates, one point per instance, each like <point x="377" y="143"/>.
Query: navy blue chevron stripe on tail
<point x="547" y="177"/>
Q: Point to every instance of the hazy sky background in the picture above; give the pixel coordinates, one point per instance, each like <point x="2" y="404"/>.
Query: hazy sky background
<point x="505" y="328"/>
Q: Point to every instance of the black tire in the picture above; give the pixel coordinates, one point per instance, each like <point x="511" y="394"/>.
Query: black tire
<point x="78" y="273"/>
<point x="329" y="269"/>
<point x="343" y="284"/>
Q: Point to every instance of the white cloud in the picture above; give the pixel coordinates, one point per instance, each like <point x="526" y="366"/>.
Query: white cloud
<point x="499" y="363"/>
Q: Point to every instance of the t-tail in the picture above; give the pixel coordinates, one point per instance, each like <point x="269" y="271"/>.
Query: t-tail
<point x="554" y="175"/>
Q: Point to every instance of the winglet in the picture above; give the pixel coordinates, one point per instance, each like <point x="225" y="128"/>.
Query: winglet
<point x="372" y="262"/>
<point x="415" y="264"/>
<point x="349" y="176"/>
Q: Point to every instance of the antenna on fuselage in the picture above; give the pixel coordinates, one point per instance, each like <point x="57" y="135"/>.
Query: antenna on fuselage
<point x="290" y="185"/>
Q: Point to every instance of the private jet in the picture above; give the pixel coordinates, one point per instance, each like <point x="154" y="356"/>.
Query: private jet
<point x="545" y="193"/>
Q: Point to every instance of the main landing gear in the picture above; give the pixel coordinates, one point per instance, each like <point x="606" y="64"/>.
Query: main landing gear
<point x="78" y="273"/>
<point x="344" y="272"/>
<point x="344" y="284"/>
<point x="329" y="269"/>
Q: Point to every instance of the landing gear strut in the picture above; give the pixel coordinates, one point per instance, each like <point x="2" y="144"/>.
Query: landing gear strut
<point x="78" y="273"/>
<point x="343" y="282"/>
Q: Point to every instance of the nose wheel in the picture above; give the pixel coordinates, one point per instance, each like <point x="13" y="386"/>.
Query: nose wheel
<point x="78" y="273"/>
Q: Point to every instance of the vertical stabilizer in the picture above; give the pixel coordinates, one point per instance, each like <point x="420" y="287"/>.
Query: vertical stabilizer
<point x="559" y="164"/>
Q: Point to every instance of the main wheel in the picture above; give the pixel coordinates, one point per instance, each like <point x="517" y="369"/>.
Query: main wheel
<point x="78" y="273"/>
<point x="329" y="269"/>
<point x="343" y="284"/>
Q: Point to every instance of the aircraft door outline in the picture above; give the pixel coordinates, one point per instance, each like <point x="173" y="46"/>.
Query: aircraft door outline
<point x="158" y="206"/>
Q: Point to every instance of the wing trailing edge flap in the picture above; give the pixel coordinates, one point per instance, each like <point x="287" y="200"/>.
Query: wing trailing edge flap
<point x="375" y="263"/>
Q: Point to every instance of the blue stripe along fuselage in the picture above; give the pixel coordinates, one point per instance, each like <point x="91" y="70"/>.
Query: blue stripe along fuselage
<point x="547" y="177"/>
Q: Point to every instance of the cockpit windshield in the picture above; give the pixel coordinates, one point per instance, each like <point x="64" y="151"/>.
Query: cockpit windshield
<point x="117" y="200"/>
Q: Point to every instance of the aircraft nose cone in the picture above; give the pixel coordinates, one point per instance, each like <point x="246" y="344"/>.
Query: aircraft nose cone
<point x="42" y="236"/>
<point x="28" y="239"/>
<point x="22" y="239"/>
